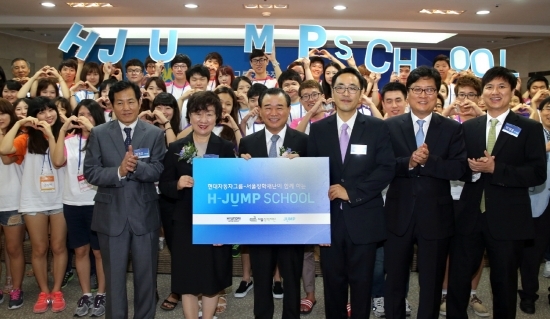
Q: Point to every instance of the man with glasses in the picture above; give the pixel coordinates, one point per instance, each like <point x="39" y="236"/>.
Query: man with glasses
<point x="259" y="62"/>
<point x="361" y="166"/>
<point x="134" y="72"/>
<point x="429" y="151"/>
<point x="179" y="84"/>
<point x="506" y="156"/>
<point x="465" y="106"/>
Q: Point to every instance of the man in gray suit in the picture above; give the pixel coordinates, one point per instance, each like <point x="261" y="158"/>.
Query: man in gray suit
<point x="124" y="159"/>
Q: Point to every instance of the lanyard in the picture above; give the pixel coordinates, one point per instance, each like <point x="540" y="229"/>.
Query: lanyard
<point x="212" y="87"/>
<point x="44" y="161"/>
<point x="79" y="153"/>
<point x="183" y="89"/>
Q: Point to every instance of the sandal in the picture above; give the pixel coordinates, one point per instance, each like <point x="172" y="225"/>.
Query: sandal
<point x="168" y="305"/>
<point x="306" y="303"/>
<point x="222" y="305"/>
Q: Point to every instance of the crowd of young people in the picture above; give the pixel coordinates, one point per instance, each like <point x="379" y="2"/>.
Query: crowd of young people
<point x="46" y="120"/>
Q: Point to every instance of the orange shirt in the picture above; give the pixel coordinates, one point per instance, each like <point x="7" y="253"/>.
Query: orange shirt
<point x="20" y="144"/>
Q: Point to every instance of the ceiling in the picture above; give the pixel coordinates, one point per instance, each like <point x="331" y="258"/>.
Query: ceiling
<point x="511" y="22"/>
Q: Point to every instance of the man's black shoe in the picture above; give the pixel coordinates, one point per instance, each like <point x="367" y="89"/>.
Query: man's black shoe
<point x="527" y="306"/>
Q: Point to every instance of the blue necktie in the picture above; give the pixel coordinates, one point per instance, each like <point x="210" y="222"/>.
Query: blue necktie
<point x="128" y="139"/>
<point x="420" y="133"/>
<point x="273" y="148"/>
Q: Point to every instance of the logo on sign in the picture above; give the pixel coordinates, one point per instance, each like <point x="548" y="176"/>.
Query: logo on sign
<point x="233" y="219"/>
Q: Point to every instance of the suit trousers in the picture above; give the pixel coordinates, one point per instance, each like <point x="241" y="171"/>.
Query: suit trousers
<point x="532" y="255"/>
<point x="264" y="259"/>
<point x="432" y="258"/>
<point x="465" y="258"/>
<point x="114" y="252"/>
<point x="346" y="264"/>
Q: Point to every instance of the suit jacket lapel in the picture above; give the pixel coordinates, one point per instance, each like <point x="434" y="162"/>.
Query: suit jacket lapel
<point x="355" y="138"/>
<point x="138" y="135"/>
<point x="261" y="144"/>
<point x="332" y="139"/>
<point x="408" y="132"/>
<point x="213" y="146"/>
<point x="118" y="139"/>
<point x="433" y="130"/>
<point x="482" y="133"/>
<point x="503" y="137"/>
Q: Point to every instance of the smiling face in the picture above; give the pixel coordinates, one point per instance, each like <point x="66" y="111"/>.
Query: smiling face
<point x="126" y="106"/>
<point x="422" y="104"/>
<point x="514" y="101"/>
<point x="153" y="90"/>
<point x="291" y="88"/>
<point x="394" y="103"/>
<point x="10" y="95"/>
<point x="536" y="86"/>
<point x="166" y="110"/>
<point x="212" y="65"/>
<point x="49" y="92"/>
<point x="203" y="122"/>
<point x="21" y="109"/>
<point x="4" y="121"/>
<point x="350" y="97"/>
<point x="243" y="87"/>
<point x="84" y="111"/>
<point x="197" y="81"/>
<point x="134" y="74"/>
<point x="68" y="74"/>
<point x="93" y="77"/>
<point x="20" y="69"/>
<point x="316" y="69"/>
<point x="442" y="67"/>
<point x="227" y="103"/>
<point x="312" y="95"/>
<point x="49" y="115"/>
<point x="224" y="79"/>
<point x="329" y="74"/>
<point x="274" y="111"/>
<point x="497" y="95"/>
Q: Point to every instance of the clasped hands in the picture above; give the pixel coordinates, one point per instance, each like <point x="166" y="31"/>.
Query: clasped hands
<point x="129" y="163"/>
<point x="484" y="164"/>
<point x="420" y="156"/>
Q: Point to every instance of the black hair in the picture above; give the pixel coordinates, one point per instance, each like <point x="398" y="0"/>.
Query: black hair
<point x="274" y="91"/>
<point x="168" y="99"/>
<point x="424" y="72"/>
<point x="134" y="62"/>
<point x="536" y="78"/>
<point x="256" y="53"/>
<point x="214" y="56"/>
<point x="289" y="75"/>
<point x="70" y="63"/>
<point x="148" y="60"/>
<point x="256" y="90"/>
<point x="544" y="103"/>
<point x="146" y="103"/>
<point x="95" y="110"/>
<point x="362" y="81"/>
<point x="313" y="59"/>
<point x="197" y="69"/>
<point x="88" y="68"/>
<point x="237" y="81"/>
<point x="65" y="104"/>
<point x="227" y="132"/>
<point x="326" y="86"/>
<point x="200" y="101"/>
<point x="2" y="78"/>
<point x="499" y="72"/>
<point x="44" y="83"/>
<point x="37" y="144"/>
<point x="394" y="86"/>
<point x="7" y="108"/>
<point x="442" y="57"/>
<point x="181" y="58"/>
<point x="121" y="86"/>
<point x="107" y="83"/>
<point x="12" y="85"/>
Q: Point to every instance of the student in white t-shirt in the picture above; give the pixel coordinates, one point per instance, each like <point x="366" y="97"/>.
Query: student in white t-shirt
<point x="198" y="80"/>
<point x="104" y="101"/>
<point x="290" y="82"/>
<point x="258" y="62"/>
<point x="41" y="198"/>
<point x="252" y="122"/>
<point x="212" y="61"/>
<point x="240" y="86"/>
<point x="78" y="201"/>
<point x="11" y="221"/>
<point x="179" y="84"/>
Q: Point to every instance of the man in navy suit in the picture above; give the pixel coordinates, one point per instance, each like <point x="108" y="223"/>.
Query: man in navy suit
<point x="274" y="110"/>
<point x="429" y="151"/>
<point x="361" y="165"/>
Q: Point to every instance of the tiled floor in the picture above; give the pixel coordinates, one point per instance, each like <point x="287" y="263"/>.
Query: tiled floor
<point x="242" y="308"/>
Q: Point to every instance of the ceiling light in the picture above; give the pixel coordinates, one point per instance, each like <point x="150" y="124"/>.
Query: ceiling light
<point x="48" y="4"/>
<point x="89" y="5"/>
<point x="266" y="14"/>
<point x="191" y="6"/>
<point x="340" y="7"/>
<point x="250" y="6"/>
<point x="280" y="6"/>
<point x="483" y="12"/>
<point x="439" y="11"/>
<point x="265" y="6"/>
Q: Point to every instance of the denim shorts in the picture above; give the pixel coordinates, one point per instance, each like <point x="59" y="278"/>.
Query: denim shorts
<point x="11" y="218"/>
<point x="46" y="212"/>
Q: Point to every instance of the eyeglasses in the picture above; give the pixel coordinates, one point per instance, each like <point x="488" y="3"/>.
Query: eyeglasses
<point x="179" y="66"/>
<point x="470" y="96"/>
<point x="340" y="89"/>
<point x="313" y="96"/>
<point x="259" y="61"/>
<point x="418" y="90"/>
<point x="133" y="71"/>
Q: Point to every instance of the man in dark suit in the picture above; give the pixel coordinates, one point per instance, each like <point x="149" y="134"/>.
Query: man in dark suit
<point x="124" y="159"/>
<point x="429" y="151"/>
<point x="274" y="110"/>
<point x="361" y="166"/>
<point x="506" y="156"/>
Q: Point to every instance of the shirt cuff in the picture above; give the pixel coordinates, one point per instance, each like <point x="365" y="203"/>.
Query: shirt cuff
<point x="118" y="173"/>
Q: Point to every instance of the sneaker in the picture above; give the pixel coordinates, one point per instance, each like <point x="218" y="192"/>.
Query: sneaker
<point x="278" y="290"/>
<point x="243" y="289"/>
<point x="93" y="283"/>
<point x="69" y="275"/>
<point x="546" y="271"/>
<point x="83" y="306"/>
<point x="378" y="307"/>
<point x="443" y="306"/>
<point x="162" y="242"/>
<point x="99" y="306"/>
<point x="478" y="307"/>
<point x="408" y="309"/>
<point x="58" y="302"/>
<point x="16" y="299"/>
<point x="42" y="304"/>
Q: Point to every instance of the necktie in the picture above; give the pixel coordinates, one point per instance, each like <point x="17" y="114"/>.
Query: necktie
<point x="273" y="148"/>
<point x="344" y="140"/>
<point x="420" y="133"/>
<point x="491" y="139"/>
<point x="128" y="139"/>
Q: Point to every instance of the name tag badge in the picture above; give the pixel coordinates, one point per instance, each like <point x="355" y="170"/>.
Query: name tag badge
<point x="83" y="184"/>
<point x="511" y="129"/>
<point x="142" y="153"/>
<point x="210" y="156"/>
<point x="47" y="183"/>
<point x="357" y="149"/>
